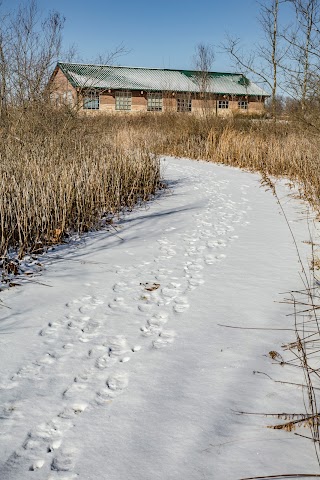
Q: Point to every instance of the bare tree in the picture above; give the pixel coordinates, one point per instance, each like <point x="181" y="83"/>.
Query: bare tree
<point x="203" y="59"/>
<point x="4" y="48"/>
<point x="269" y="20"/>
<point x="304" y="44"/>
<point x="29" y="48"/>
<point x="265" y="61"/>
<point x="110" y="57"/>
<point x="34" y="49"/>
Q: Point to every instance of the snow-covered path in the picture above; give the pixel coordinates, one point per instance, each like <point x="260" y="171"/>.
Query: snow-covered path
<point x="118" y="369"/>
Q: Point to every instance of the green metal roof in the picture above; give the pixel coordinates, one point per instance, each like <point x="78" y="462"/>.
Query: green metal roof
<point x="156" y="79"/>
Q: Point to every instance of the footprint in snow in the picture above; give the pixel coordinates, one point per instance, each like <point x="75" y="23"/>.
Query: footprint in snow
<point x="171" y="290"/>
<point x="105" y="361"/>
<point x="193" y="267"/>
<point x="118" y="304"/>
<point x="181" y="304"/>
<point x="216" y="244"/>
<point x="87" y="308"/>
<point x="118" y="346"/>
<point x="28" y="372"/>
<point x="66" y="416"/>
<point x="90" y="328"/>
<point x="121" y="287"/>
<point x="168" y="250"/>
<point x="165" y="338"/>
<point x="37" y="464"/>
<point x="74" y="390"/>
<point x="47" y="359"/>
<point x="77" y="321"/>
<point x="9" y="414"/>
<point x="89" y="331"/>
<point x="145" y="307"/>
<point x="136" y="348"/>
<point x="154" y="324"/>
<point x="64" y="461"/>
<point x="195" y="280"/>
<point x="117" y="382"/>
<point x="73" y="303"/>
<point x="210" y="259"/>
<point x="51" y="328"/>
<point x="220" y="257"/>
<point x="115" y="386"/>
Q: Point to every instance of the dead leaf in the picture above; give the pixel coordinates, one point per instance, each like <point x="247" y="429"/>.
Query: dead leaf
<point x="150" y="287"/>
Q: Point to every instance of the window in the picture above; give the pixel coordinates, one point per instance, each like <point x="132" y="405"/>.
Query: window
<point x="55" y="99"/>
<point x="68" y="98"/>
<point x="184" y="103"/>
<point x="243" y="104"/>
<point x="91" y="100"/>
<point x="223" y="104"/>
<point x="154" y="100"/>
<point x="123" y="100"/>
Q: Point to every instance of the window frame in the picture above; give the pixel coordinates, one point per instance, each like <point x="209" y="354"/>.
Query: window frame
<point x="123" y="100"/>
<point x="68" y="98"/>
<point x="55" y="99"/>
<point x="243" y="104"/>
<point x="223" y="104"/>
<point x="91" y="100"/>
<point x="184" y="103"/>
<point x="154" y="102"/>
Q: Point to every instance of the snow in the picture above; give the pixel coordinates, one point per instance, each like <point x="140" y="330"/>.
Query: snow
<point x="115" y="365"/>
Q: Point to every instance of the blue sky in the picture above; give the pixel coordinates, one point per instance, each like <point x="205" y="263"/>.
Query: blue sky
<point x="156" y="34"/>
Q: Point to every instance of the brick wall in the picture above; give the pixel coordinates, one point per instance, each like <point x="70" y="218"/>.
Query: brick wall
<point x="60" y="86"/>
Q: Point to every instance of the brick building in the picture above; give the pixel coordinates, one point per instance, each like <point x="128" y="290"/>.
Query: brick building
<point x="104" y="88"/>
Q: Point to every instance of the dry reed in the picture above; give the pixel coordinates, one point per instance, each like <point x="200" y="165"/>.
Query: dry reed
<point x="279" y="149"/>
<point x="59" y="177"/>
<point x="60" y="172"/>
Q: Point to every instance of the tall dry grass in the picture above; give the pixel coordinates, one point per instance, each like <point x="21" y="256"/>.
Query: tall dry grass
<point x="286" y="149"/>
<point x="60" y="175"/>
<point x="61" y="172"/>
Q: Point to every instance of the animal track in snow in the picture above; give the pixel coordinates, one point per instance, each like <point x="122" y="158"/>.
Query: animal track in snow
<point x="210" y="259"/>
<point x="90" y="327"/>
<point x="118" y="346"/>
<point x="64" y="461"/>
<point x="105" y="361"/>
<point x="154" y="324"/>
<point x="165" y="338"/>
<point x="77" y="321"/>
<point x="216" y="244"/>
<point x="87" y="308"/>
<point x="117" y="381"/>
<point x="181" y="304"/>
<point x="221" y="256"/>
<point x="9" y="414"/>
<point x="37" y="464"/>
<point x="122" y="287"/>
<point x="118" y="304"/>
<point x="145" y="307"/>
<point x="73" y="303"/>
<point x="136" y="348"/>
<point x="168" y="251"/>
<point x="74" y="390"/>
<point x="115" y="385"/>
<point x="51" y="328"/>
<point x="171" y="290"/>
<point x="194" y="266"/>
